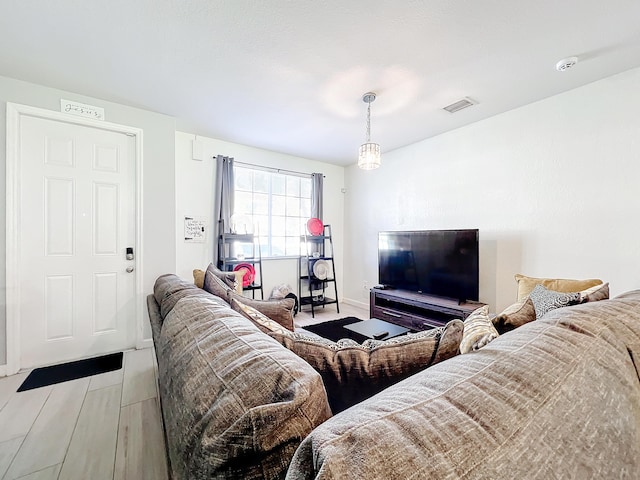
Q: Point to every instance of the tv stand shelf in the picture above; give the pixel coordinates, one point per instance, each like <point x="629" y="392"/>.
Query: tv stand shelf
<point x="415" y="310"/>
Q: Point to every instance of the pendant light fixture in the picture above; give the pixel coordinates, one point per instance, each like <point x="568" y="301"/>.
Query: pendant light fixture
<point x="369" y="155"/>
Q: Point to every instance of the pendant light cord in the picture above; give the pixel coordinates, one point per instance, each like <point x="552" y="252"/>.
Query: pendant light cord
<point x="369" y="121"/>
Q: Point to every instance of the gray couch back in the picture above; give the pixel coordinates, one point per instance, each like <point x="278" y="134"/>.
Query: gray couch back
<point x="235" y="403"/>
<point x="556" y="398"/>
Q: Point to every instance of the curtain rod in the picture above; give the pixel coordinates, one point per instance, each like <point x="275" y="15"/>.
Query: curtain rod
<point x="272" y="169"/>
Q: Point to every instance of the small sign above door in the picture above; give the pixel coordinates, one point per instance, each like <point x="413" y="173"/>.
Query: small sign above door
<point x="81" y="109"/>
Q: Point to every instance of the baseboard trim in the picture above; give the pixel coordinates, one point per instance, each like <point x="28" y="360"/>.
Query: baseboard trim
<point x="356" y="303"/>
<point x="145" y="343"/>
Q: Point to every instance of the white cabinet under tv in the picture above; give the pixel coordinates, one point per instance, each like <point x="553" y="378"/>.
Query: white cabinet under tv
<point x="416" y="310"/>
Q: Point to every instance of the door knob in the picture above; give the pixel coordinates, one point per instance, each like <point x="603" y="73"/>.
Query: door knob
<point x="129" y="269"/>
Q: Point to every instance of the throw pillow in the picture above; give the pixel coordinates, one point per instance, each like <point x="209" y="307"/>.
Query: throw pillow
<point x="515" y="316"/>
<point x="527" y="284"/>
<point x="595" y="294"/>
<point x="214" y="285"/>
<point x="280" y="311"/>
<point x="546" y="300"/>
<point x="478" y="330"/>
<point x="227" y="277"/>
<point x="352" y="372"/>
<point x="263" y="322"/>
<point x="198" y="278"/>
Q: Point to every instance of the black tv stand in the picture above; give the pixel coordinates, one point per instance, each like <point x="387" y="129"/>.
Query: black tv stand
<point x="417" y="311"/>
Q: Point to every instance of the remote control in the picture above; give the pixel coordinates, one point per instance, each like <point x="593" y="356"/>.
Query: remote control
<point x="380" y="335"/>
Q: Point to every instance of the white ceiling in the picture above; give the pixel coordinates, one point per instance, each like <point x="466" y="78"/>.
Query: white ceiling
<point x="289" y="75"/>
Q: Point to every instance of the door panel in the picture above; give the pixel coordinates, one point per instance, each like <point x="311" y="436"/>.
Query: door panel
<point x="59" y="205"/>
<point x="77" y="217"/>
<point x="58" y="293"/>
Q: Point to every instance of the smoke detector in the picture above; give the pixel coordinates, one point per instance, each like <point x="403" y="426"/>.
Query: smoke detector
<point x="566" y="63"/>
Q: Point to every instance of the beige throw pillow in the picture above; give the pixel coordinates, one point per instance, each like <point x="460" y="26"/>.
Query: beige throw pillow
<point x="352" y="372"/>
<point x="527" y="284"/>
<point x="478" y="330"/>
<point x="198" y="278"/>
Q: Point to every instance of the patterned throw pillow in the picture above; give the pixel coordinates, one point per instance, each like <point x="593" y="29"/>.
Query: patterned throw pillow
<point x="478" y="330"/>
<point x="546" y="300"/>
<point x="352" y="372"/>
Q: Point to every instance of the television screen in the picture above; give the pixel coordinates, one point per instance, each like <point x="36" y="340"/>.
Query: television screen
<point x="435" y="262"/>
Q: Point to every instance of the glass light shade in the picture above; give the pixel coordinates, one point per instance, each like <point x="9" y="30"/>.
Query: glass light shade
<point x="369" y="156"/>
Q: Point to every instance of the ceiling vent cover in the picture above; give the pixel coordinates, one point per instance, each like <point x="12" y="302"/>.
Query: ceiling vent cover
<point x="459" y="105"/>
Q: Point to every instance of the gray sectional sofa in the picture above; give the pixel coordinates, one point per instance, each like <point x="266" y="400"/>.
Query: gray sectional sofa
<point x="556" y="398"/>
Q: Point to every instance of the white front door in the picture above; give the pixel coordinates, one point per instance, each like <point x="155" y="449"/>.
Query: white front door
<point x="76" y="218"/>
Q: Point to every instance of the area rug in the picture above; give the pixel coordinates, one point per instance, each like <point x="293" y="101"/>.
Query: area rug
<point x="41" y="377"/>
<point x="334" y="330"/>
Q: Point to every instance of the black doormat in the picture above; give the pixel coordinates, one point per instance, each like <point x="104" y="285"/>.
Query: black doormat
<point x="334" y="330"/>
<point x="41" y="377"/>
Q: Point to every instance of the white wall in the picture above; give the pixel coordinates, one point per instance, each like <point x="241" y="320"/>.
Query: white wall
<point x="552" y="186"/>
<point x="194" y="198"/>
<point x="158" y="182"/>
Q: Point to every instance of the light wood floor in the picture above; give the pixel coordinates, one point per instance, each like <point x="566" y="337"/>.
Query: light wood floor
<point x="102" y="427"/>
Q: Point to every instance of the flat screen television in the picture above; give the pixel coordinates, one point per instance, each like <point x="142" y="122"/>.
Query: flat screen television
<point x="435" y="262"/>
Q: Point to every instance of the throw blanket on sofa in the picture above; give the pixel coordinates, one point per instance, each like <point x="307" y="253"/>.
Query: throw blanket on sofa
<point x="556" y="398"/>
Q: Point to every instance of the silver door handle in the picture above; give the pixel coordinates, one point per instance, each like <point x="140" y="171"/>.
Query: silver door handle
<point x="129" y="269"/>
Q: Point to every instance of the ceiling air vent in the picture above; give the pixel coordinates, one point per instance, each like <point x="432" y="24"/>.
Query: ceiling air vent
<point x="459" y="105"/>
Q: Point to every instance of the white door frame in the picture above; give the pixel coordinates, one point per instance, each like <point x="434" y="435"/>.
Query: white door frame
<point x="14" y="114"/>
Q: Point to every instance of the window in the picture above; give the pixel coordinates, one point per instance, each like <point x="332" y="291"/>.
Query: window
<point x="276" y="206"/>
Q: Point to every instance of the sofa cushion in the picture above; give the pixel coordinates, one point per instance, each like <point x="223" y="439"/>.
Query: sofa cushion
<point x="352" y="372"/>
<point x="478" y="330"/>
<point x="546" y="300"/>
<point x="236" y="404"/>
<point x="527" y="284"/>
<point x="280" y="311"/>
